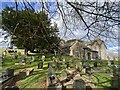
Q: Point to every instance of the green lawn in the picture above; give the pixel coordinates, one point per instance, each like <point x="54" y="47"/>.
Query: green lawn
<point x="101" y="79"/>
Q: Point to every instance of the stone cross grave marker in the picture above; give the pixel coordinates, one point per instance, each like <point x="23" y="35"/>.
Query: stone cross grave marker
<point x="64" y="74"/>
<point x="79" y="85"/>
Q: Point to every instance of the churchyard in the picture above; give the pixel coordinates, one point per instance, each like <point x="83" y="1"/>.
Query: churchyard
<point x="57" y="71"/>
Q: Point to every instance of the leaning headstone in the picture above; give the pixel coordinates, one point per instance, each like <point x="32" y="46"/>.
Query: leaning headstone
<point x="51" y="76"/>
<point x="64" y="74"/>
<point x="40" y="65"/>
<point x="79" y="85"/>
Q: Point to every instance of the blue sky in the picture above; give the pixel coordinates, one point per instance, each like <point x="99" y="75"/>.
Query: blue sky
<point x="110" y="47"/>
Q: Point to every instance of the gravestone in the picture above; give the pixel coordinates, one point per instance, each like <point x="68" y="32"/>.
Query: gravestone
<point x="109" y="63"/>
<point x="86" y="65"/>
<point x="50" y="64"/>
<point x="4" y="74"/>
<point x="63" y="61"/>
<point x="32" y="59"/>
<point x="95" y="64"/>
<point x="40" y="65"/>
<point x="67" y="65"/>
<point x="15" y="55"/>
<point x="64" y="74"/>
<point x="57" y="65"/>
<point x="10" y="72"/>
<point x="79" y="85"/>
<point x="23" y="59"/>
<point x="51" y="76"/>
<point x="53" y="58"/>
<point x="107" y="71"/>
<point x="117" y="71"/>
<point x="79" y="66"/>
<point x="88" y="71"/>
<point x="43" y="58"/>
<point x="2" y="56"/>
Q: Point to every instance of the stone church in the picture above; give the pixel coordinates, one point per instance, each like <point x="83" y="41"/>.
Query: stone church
<point x="92" y="50"/>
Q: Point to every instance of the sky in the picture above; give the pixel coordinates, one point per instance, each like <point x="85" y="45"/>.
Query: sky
<point x="111" y="47"/>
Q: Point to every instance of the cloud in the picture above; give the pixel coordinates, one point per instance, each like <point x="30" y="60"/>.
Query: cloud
<point x="115" y="50"/>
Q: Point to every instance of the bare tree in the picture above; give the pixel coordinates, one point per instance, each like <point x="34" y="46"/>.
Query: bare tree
<point x="96" y="19"/>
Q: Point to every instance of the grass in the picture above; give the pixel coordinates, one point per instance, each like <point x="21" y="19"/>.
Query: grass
<point x="101" y="79"/>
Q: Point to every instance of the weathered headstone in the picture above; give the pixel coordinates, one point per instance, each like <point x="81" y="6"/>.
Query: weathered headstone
<point x="4" y="74"/>
<point x="10" y="72"/>
<point x="51" y="76"/>
<point x="15" y="55"/>
<point x="49" y="64"/>
<point x="33" y="58"/>
<point x="40" y="65"/>
<point x="79" y="66"/>
<point x="86" y="65"/>
<point x="88" y="71"/>
<point x="95" y="64"/>
<point x="23" y="59"/>
<point x="64" y="74"/>
<point x="64" y="61"/>
<point x="107" y="71"/>
<point x="79" y="85"/>
<point x="2" y="56"/>
<point x="109" y="63"/>
<point x="67" y="65"/>
<point x="43" y="58"/>
<point x="57" y="65"/>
